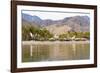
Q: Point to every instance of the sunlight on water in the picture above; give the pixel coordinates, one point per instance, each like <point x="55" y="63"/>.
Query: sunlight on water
<point x="55" y="51"/>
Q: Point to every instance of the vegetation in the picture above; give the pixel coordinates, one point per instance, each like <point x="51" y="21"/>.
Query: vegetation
<point x="75" y="36"/>
<point x="37" y="33"/>
<point x="42" y="34"/>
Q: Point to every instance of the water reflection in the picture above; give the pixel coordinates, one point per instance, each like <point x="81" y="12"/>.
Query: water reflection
<point x="55" y="51"/>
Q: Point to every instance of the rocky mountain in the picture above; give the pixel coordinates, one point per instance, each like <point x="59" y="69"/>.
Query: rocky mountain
<point x="75" y="23"/>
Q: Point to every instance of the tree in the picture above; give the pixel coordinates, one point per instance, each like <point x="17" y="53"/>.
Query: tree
<point x="37" y="32"/>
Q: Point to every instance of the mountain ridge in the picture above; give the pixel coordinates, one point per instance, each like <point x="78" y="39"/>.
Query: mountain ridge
<point x="75" y="23"/>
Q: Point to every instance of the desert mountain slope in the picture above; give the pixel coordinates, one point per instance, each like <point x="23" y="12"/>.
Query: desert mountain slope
<point x="75" y="23"/>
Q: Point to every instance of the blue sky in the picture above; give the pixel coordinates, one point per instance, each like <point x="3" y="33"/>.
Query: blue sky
<point x="54" y="15"/>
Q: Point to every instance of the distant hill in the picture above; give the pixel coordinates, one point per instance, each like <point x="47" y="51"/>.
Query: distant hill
<point x="58" y="29"/>
<point x="75" y="23"/>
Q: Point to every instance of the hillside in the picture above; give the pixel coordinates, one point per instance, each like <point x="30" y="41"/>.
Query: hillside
<point x="75" y="23"/>
<point x="58" y="29"/>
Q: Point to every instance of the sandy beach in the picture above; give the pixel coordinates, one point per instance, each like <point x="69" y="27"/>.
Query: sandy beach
<point x="52" y="42"/>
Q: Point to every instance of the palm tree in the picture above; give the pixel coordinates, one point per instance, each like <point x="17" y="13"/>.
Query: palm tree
<point x="73" y="37"/>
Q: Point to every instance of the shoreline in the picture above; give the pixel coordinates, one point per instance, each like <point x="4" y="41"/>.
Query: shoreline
<point x="52" y="42"/>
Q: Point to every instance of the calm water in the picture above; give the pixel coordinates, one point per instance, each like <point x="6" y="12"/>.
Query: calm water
<point x="55" y="51"/>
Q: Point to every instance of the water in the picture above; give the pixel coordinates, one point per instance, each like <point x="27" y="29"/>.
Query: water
<point x="55" y="51"/>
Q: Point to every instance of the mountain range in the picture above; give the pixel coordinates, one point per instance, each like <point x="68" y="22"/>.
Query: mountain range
<point x="75" y="23"/>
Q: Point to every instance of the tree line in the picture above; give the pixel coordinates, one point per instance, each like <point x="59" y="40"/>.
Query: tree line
<point x="40" y="34"/>
<point x="37" y="33"/>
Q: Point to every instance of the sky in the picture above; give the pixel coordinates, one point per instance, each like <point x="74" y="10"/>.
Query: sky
<point x="54" y="15"/>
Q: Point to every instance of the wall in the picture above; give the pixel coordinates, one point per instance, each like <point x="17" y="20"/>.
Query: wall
<point x="5" y="35"/>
